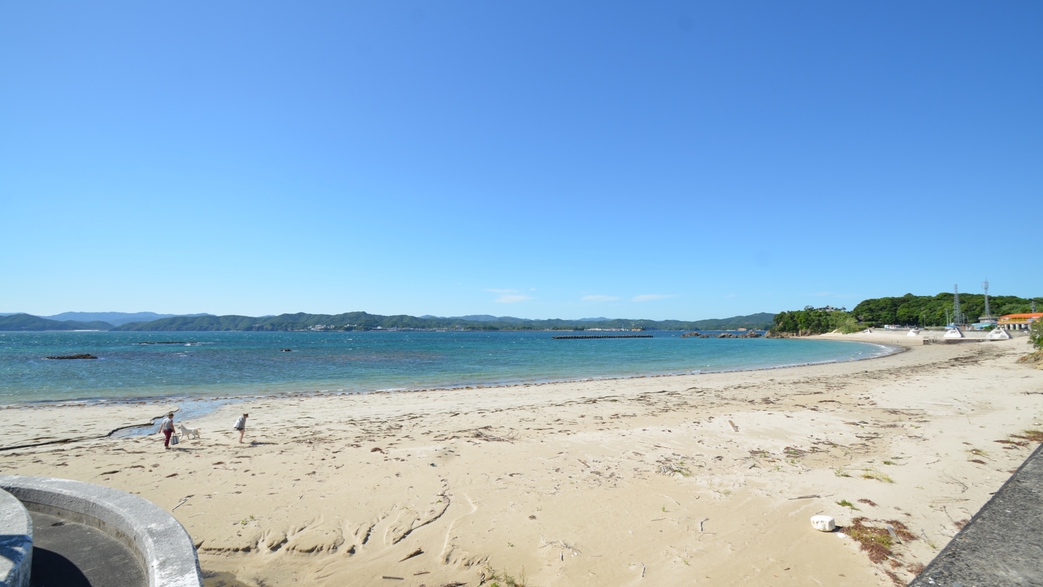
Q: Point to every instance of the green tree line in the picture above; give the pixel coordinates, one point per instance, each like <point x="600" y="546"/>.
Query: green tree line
<point x="913" y="310"/>
<point x="814" y="321"/>
<point x="907" y="310"/>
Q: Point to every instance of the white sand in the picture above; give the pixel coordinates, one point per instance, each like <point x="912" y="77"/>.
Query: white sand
<point x="705" y="479"/>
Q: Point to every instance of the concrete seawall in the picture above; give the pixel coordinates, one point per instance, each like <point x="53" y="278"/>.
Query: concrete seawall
<point x="163" y="547"/>
<point x="16" y="542"/>
<point x="1003" y="542"/>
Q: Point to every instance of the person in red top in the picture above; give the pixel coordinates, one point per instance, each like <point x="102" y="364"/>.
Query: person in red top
<point x="167" y="428"/>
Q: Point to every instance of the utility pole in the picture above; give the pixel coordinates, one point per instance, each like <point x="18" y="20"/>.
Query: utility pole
<point x="985" y="284"/>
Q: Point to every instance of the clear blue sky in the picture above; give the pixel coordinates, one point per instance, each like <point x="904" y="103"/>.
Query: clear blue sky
<point x="652" y="160"/>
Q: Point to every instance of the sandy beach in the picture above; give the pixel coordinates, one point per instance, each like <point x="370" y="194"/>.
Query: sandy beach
<point x="697" y="479"/>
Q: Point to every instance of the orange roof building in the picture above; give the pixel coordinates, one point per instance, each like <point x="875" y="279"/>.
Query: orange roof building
<point x="1019" y="321"/>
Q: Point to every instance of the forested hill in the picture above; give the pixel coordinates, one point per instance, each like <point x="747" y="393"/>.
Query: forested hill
<point x="27" y="323"/>
<point x="366" y="321"/>
<point x="907" y="310"/>
<point x="931" y="310"/>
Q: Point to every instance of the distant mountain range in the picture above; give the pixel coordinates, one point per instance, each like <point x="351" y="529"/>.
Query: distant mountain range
<point x="355" y="321"/>
<point x="25" y="322"/>
<point x="114" y="318"/>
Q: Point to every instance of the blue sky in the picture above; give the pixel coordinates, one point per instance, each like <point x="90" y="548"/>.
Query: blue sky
<point x="645" y="160"/>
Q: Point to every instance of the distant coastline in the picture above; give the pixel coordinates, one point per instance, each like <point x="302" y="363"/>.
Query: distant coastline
<point x="363" y="321"/>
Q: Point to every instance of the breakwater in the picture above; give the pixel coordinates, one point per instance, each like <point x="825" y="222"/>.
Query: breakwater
<point x="583" y="336"/>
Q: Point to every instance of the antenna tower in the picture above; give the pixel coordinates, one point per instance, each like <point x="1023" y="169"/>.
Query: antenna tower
<point x="956" y="316"/>
<point x="985" y="284"/>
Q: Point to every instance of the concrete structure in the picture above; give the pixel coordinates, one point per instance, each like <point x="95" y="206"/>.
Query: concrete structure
<point x="1003" y="542"/>
<point x="998" y="334"/>
<point x="16" y="542"/>
<point x="1019" y="321"/>
<point x="75" y="555"/>
<point x="162" y="546"/>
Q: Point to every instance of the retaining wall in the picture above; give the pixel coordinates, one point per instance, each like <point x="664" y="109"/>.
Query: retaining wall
<point x="1002" y="545"/>
<point x="16" y="542"/>
<point x="164" y="548"/>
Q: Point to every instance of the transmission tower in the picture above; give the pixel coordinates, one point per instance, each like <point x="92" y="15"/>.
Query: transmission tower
<point x="956" y="316"/>
<point x="985" y="284"/>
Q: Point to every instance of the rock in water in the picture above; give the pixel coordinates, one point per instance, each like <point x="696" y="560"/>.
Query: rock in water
<point x="80" y="356"/>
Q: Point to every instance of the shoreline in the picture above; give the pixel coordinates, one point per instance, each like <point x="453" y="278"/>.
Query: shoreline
<point x="892" y="348"/>
<point x="178" y="402"/>
<point x="683" y="479"/>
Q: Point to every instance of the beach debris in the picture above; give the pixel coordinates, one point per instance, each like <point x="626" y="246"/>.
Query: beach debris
<point x="891" y="530"/>
<point x="810" y="496"/>
<point x="642" y="568"/>
<point x="183" y="501"/>
<point x="480" y="435"/>
<point x="563" y="545"/>
<point x="823" y="523"/>
<point x="672" y="499"/>
<point x="66" y="357"/>
<point x="734" y="427"/>
<point x="389" y="578"/>
<point x="417" y="552"/>
<point x="670" y="466"/>
<point x="701" y="523"/>
<point x="877" y="542"/>
<point x="376" y="449"/>
<point x="1029" y="435"/>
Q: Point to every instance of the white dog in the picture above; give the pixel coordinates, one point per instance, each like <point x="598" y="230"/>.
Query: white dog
<point x="189" y="432"/>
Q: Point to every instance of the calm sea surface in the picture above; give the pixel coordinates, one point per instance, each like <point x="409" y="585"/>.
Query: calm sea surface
<point x="226" y="364"/>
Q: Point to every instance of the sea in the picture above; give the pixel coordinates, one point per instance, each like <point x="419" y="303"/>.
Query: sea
<point x="208" y="366"/>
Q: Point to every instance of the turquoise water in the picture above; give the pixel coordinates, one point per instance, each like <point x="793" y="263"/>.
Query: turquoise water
<point x="229" y="364"/>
